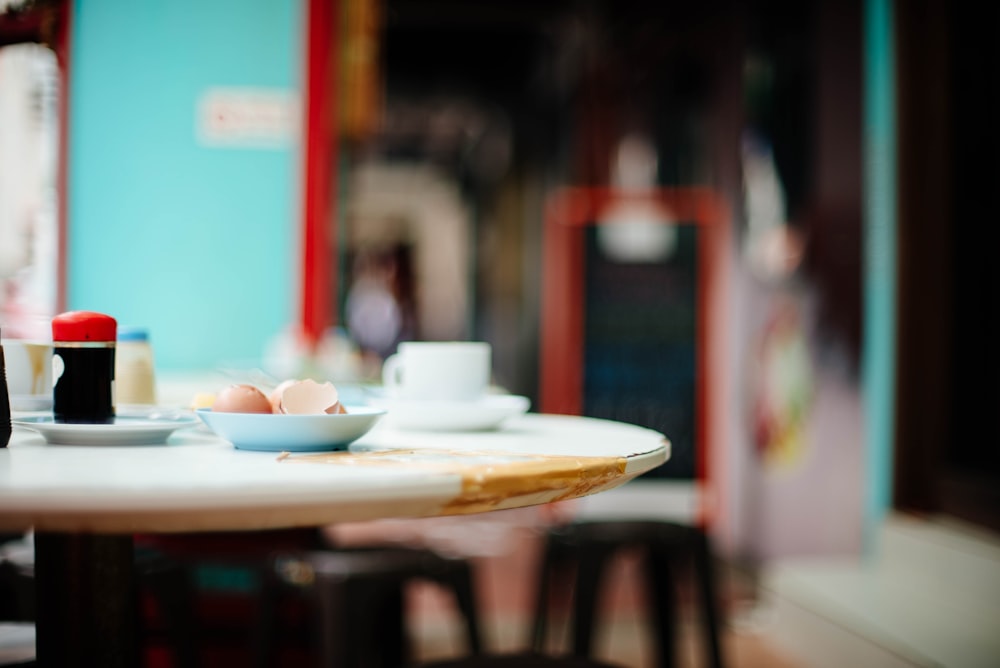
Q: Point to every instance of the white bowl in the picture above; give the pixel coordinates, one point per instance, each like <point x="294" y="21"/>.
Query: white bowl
<point x="273" y="432"/>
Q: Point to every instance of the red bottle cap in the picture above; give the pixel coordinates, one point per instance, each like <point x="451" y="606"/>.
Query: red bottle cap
<point x="84" y="326"/>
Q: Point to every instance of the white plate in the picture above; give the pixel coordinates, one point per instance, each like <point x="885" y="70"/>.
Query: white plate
<point x="274" y="432"/>
<point x="483" y="414"/>
<point x="148" y="429"/>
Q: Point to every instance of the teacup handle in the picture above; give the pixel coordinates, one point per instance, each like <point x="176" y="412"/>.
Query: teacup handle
<point x="391" y="373"/>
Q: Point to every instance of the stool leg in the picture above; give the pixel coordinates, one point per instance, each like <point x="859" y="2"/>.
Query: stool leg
<point x="331" y="622"/>
<point x="660" y="574"/>
<point x="393" y="647"/>
<point x="267" y="618"/>
<point x="705" y="572"/>
<point x="542" y="595"/>
<point x="588" y="581"/>
<point x="465" y="598"/>
<point x="172" y="589"/>
<point x="372" y="629"/>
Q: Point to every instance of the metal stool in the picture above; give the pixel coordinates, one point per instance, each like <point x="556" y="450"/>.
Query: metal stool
<point x="590" y="546"/>
<point x="357" y="595"/>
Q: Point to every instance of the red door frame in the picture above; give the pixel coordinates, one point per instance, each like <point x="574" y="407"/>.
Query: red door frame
<point x="319" y="168"/>
<point x="63" y="54"/>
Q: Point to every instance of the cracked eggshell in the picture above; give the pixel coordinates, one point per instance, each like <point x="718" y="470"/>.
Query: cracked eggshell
<point x="275" y="395"/>
<point x="307" y="397"/>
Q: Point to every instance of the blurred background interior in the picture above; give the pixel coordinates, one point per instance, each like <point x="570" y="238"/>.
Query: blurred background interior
<point x="752" y="225"/>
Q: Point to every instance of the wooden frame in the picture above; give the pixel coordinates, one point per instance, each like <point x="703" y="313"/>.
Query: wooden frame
<point x="568" y="212"/>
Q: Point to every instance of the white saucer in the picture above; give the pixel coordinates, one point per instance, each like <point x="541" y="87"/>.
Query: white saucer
<point x="125" y="430"/>
<point x="483" y="414"/>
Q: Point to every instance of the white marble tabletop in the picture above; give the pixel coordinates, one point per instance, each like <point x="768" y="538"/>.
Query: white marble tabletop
<point x="198" y="482"/>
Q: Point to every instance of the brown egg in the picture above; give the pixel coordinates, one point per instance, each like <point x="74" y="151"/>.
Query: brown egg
<point x="241" y="399"/>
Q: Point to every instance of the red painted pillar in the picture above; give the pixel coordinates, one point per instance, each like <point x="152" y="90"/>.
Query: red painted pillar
<point x="319" y="167"/>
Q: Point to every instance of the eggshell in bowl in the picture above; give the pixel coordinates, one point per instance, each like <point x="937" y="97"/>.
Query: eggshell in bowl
<point x="307" y="397"/>
<point x="275" y="395"/>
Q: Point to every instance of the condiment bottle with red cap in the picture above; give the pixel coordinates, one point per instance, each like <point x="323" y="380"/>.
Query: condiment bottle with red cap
<point x="5" y="427"/>
<point x="83" y="367"/>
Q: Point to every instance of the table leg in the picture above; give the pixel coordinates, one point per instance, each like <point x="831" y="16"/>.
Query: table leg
<point x="86" y="601"/>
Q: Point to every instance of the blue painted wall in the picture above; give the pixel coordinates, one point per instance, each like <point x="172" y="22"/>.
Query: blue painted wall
<point x="197" y="243"/>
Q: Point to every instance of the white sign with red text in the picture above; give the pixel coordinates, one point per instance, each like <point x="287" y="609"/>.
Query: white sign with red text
<point x="235" y="117"/>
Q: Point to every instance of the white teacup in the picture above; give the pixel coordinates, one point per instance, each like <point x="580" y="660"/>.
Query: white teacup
<point x="29" y="373"/>
<point x="438" y="370"/>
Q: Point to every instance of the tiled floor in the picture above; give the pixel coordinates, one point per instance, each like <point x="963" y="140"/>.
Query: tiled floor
<point x="927" y="595"/>
<point x="623" y="642"/>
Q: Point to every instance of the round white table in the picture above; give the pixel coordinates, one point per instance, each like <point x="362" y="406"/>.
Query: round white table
<point x="85" y="503"/>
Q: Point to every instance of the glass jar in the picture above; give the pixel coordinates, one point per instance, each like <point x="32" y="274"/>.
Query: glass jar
<point x="135" y="381"/>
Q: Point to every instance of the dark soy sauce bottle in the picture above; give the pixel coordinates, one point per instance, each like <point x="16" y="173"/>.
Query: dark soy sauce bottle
<point x="83" y="367"/>
<point x="5" y="428"/>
